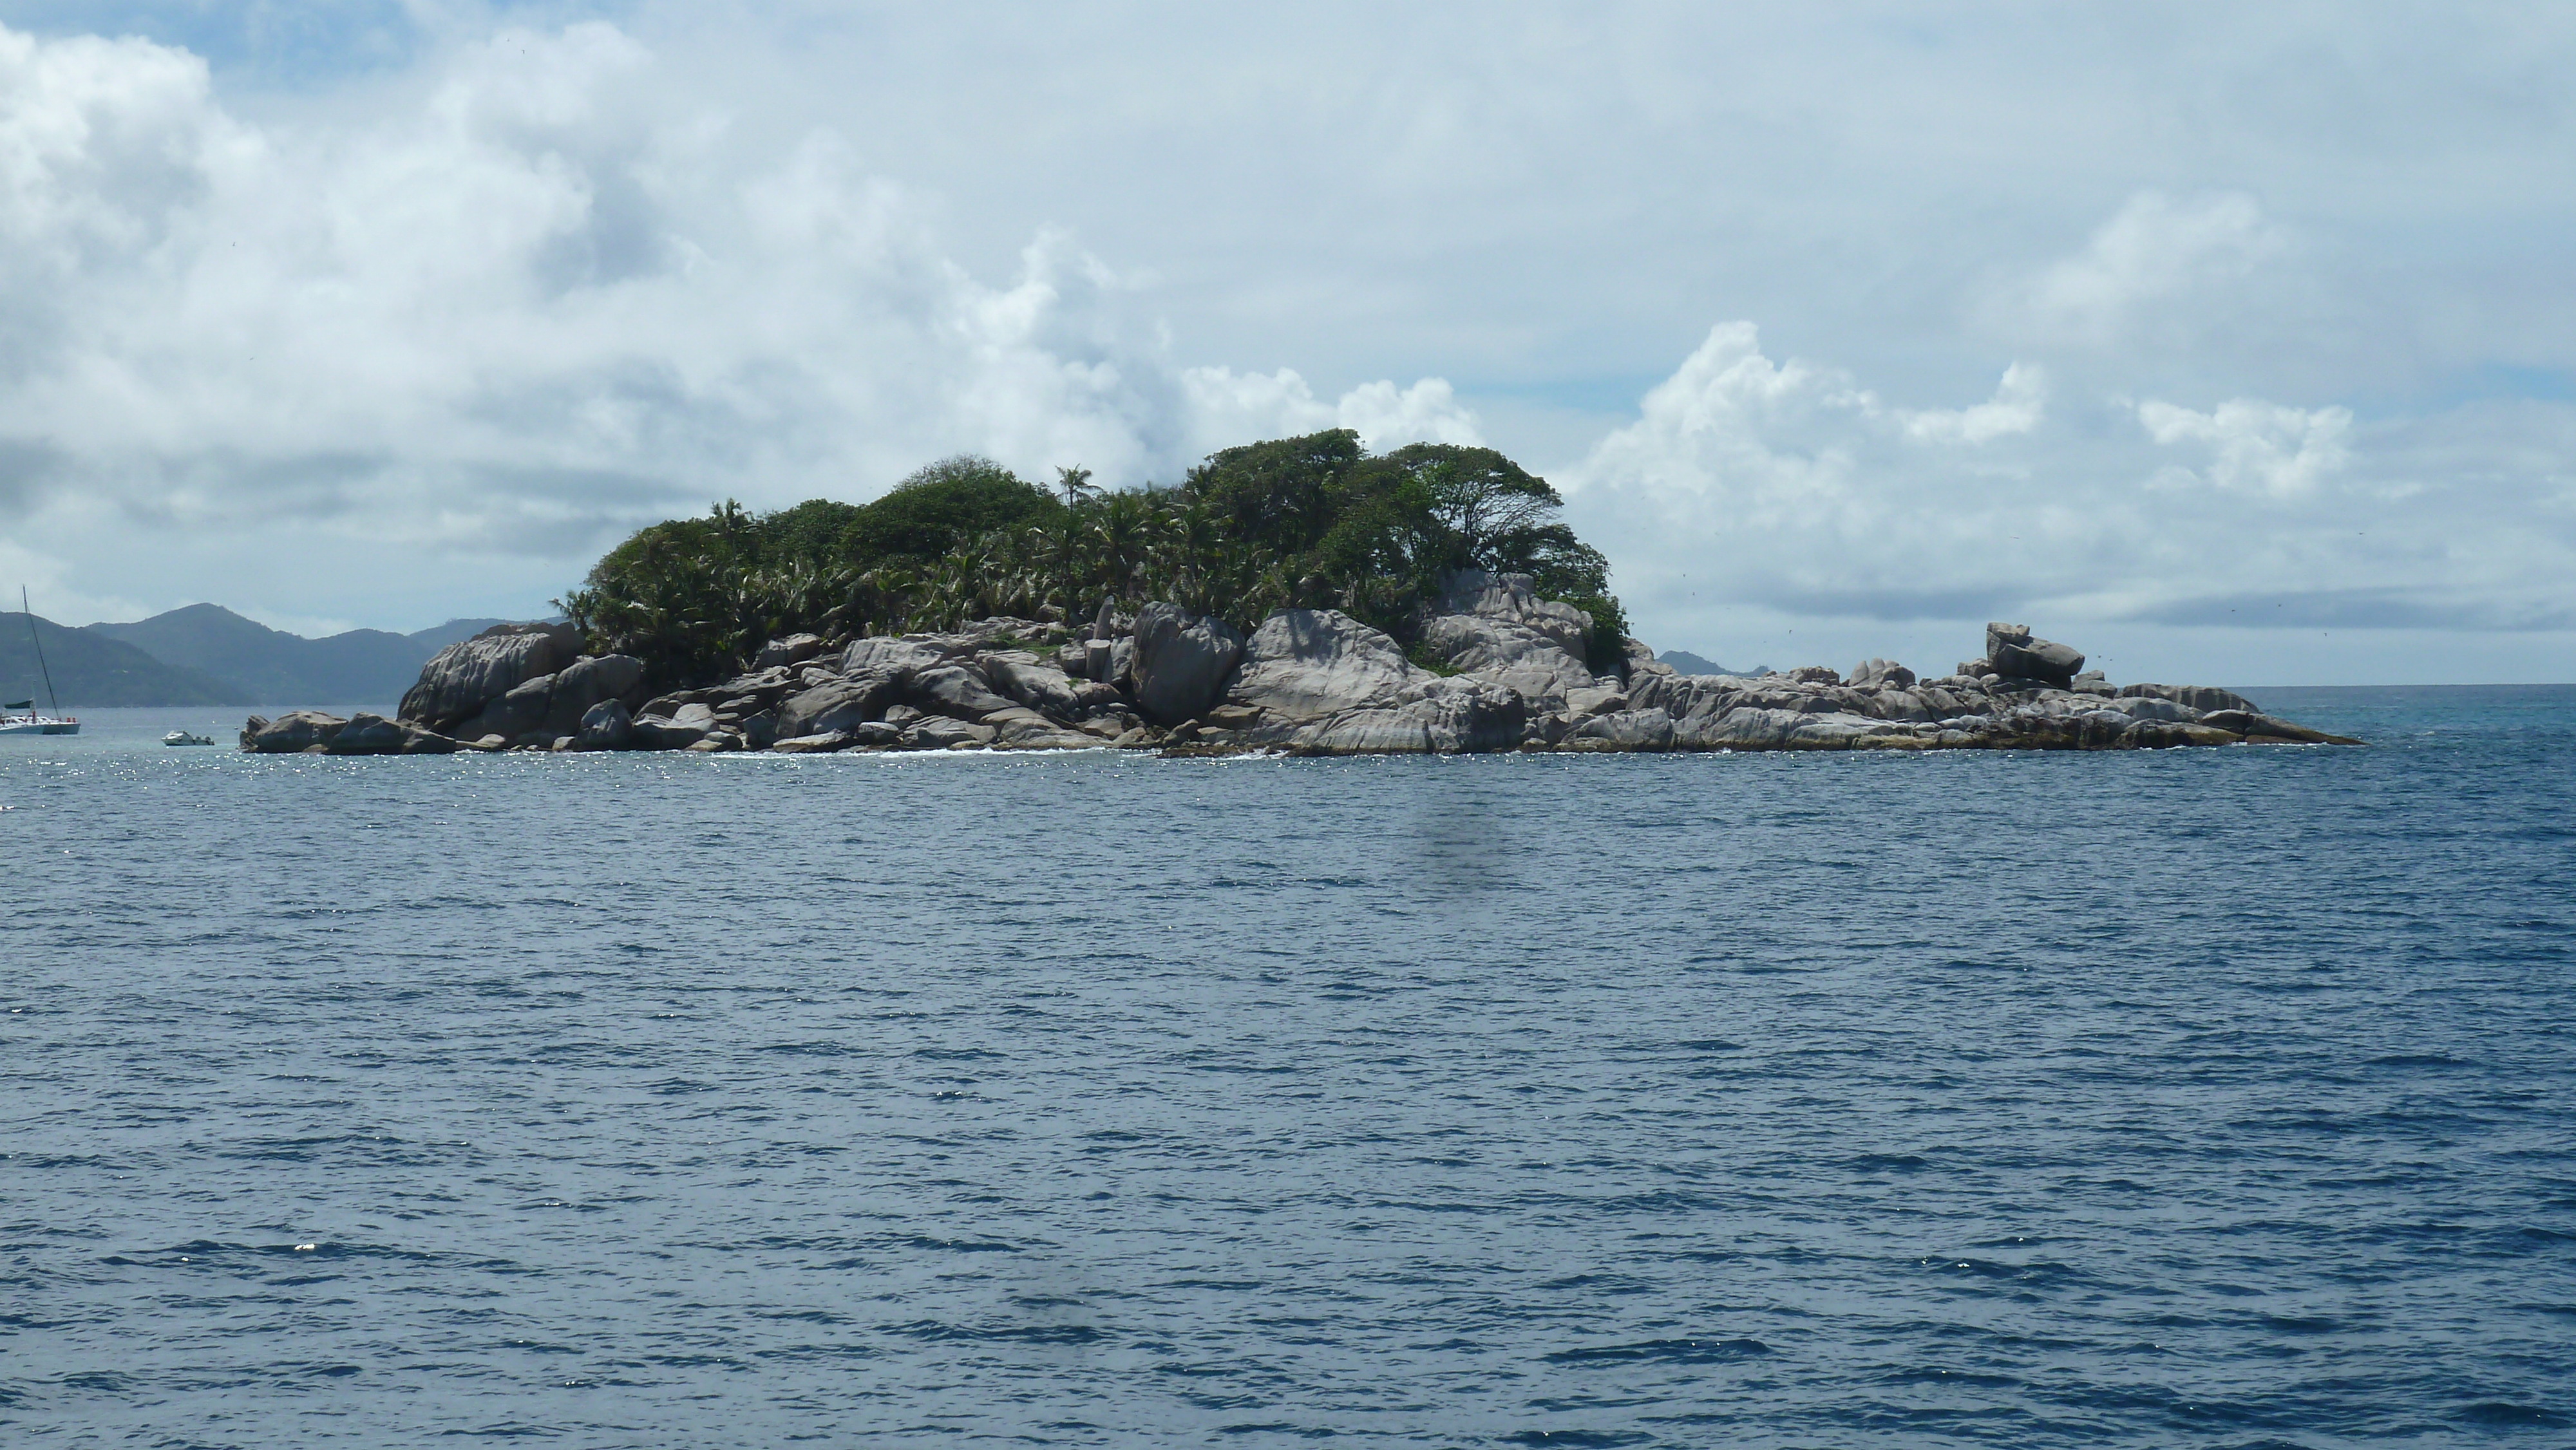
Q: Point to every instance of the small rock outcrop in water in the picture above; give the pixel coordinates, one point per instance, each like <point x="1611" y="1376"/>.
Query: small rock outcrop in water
<point x="1307" y="681"/>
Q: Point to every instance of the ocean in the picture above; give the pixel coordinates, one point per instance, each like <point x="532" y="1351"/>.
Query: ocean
<point x="2185" y="1098"/>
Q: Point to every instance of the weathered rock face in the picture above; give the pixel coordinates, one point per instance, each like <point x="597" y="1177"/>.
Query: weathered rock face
<point x="1509" y="653"/>
<point x="1514" y="597"/>
<point x="1304" y="664"/>
<point x="1042" y="687"/>
<point x="1181" y="663"/>
<point x="1869" y="673"/>
<point x="795" y="649"/>
<point x="2198" y="697"/>
<point x="1307" y="682"/>
<point x="461" y="679"/>
<point x="1442" y="717"/>
<point x="836" y="705"/>
<point x="367" y="734"/>
<point x="2016" y="655"/>
<point x="606" y="726"/>
<point x="939" y="733"/>
<point x="1623" y="730"/>
<point x="1020" y="728"/>
<point x="314" y="732"/>
<point x="2141" y="707"/>
<point x="955" y="691"/>
<point x="292" y="732"/>
<point x="886" y="654"/>
<point x="550" y="706"/>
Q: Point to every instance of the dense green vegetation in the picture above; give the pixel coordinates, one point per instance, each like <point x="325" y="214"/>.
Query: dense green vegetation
<point x="1316" y="521"/>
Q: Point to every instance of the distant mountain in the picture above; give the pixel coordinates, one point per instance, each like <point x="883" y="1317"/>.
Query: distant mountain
<point x="360" y="667"/>
<point x="1684" y="662"/>
<point x="94" y="671"/>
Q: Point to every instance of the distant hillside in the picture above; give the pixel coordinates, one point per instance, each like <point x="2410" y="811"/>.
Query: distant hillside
<point x="92" y="671"/>
<point x="439" y="636"/>
<point x="360" y="667"/>
<point x="1684" y="662"/>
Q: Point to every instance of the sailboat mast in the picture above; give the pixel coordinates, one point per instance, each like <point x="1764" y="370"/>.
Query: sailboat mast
<point x="32" y="638"/>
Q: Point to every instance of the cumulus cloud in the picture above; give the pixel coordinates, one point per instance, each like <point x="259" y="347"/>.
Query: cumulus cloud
<point x="1752" y="495"/>
<point x="2154" y="250"/>
<point x="2020" y="401"/>
<point x="535" y="306"/>
<point x="1744" y="479"/>
<point x="2255" y="447"/>
<point x="1228" y="407"/>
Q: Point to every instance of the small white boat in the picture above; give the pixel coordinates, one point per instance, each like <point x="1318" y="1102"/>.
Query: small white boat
<point x="182" y="737"/>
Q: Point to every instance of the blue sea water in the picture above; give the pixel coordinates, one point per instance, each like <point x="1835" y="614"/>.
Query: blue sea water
<point x="2206" y="1098"/>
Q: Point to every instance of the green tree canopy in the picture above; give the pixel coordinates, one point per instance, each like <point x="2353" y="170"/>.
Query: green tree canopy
<point x="1316" y="521"/>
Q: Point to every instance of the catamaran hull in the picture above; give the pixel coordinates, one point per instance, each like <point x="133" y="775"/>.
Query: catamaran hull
<point x="41" y="727"/>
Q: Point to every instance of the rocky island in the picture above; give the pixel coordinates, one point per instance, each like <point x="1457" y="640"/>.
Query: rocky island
<point x="1300" y="596"/>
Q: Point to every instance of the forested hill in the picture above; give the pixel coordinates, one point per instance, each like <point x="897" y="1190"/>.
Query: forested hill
<point x="1317" y="522"/>
<point x="359" y="666"/>
<point x="207" y="655"/>
<point x="93" y="671"/>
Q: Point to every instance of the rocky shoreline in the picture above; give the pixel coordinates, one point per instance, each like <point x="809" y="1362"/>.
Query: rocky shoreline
<point x="1496" y="669"/>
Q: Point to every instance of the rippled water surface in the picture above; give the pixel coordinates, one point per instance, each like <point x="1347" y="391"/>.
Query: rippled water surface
<point x="2189" y="1098"/>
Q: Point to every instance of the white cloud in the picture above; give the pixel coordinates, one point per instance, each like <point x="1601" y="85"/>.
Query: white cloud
<point x="2256" y="446"/>
<point x="1229" y="408"/>
<point x="1746" y="479"/>
<point x="1752" y="500"/>
<point x="536" y="308"/>
<point x="2020" y="401"/>
<point x="2154" y="250"/>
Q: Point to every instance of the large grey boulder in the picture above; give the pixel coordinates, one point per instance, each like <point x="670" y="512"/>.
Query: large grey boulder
<point x="1021" y="728"/>
<point x="688" y="728"/>
<point x="1181" y="662"/>
<point x="314" y="732"/>
<point x="551" y="706"/>
<point x="607" y="725"/>
<point x="1869" y="674"/>
<point x="1751" y="727"/>
<point x="2198" y="697"/>
<point x="954" y="691"/>
<point x="1514" y="597"/>
<point x="1623" y="730"/>
<point x="795" y="649"/>
<point x="835" y="706"/>
<point x="1637" y="659"/>
<point x="2149" y="707"/>
<point x="889" y="654"/>
<point x="594" y="680"/>
<point x="2044" y="660"/>
<point x="291" y="733"/>
<point x="2261" y="728"/>
<point x="461" y="679"/>
<point x="1304" y="664"/>
<point x="1507" y="652"/>
<point x="1035" y="684"/>
<point x="2015" y="654"/>
<point x="1442" y="717"/>
<point x="367" y="734"/>
<point x="938" y="732"/>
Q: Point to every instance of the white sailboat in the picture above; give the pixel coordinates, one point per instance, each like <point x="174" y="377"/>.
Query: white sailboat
<point x="32" y="723"/>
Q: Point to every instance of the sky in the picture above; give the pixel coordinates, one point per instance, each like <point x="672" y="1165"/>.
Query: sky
<point x="2233" y="344"/>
